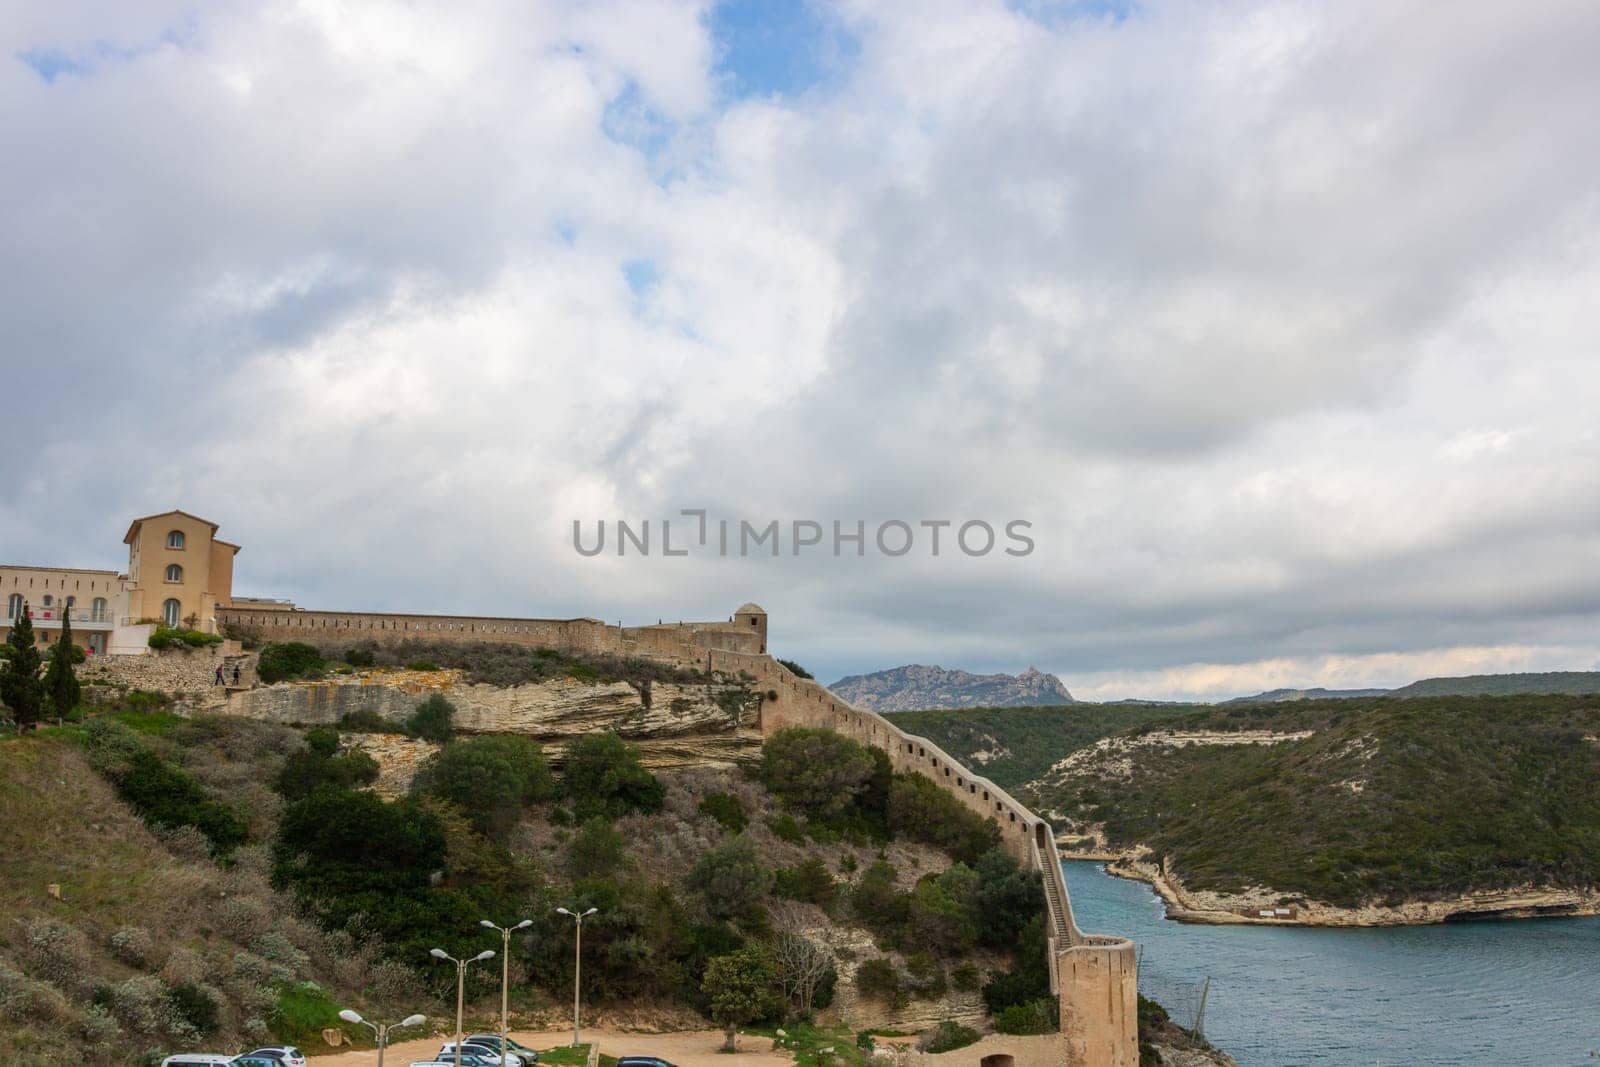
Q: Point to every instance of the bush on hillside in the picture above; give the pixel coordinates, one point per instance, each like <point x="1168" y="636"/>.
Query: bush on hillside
<point x="433" y="720"/>
<point x="492" y="779"/>
<point x="947" y="1037"/>
<point x="597" y="850"/>
<point x="727" y="810"/>
<point x="321" y="763"/>
<point x="808" y="881"/>
<point x="601" y="775"/>
<point x="282" y="661"/>
<point x="730" y="879"/>
<point x="818" y="773"/>
<point x="922" y="811"/>
<point x="168" y="798"/>
<point x="1033" y="1017"/>
<point x="879" y="979"/>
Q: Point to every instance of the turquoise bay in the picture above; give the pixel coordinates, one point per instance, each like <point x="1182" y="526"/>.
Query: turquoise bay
<point x="1493" y="993"/>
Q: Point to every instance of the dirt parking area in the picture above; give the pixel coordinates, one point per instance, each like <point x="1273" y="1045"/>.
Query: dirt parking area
<point x="691" y="1048"/>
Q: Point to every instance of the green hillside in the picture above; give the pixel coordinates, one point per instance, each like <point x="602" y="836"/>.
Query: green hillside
<point x="1570" y="682"/>
<point x="1388" y="800"/>
<point x="1011" y="746"/>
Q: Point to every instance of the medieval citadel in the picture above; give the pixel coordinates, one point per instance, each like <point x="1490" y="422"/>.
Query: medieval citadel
<point x="180" y="573"/>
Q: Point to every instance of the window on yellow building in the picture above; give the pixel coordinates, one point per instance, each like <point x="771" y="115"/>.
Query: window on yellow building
<point x="175" y="539"/>
<point x="174" y="573"/>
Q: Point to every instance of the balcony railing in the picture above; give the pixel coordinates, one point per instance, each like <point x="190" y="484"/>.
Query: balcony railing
<point x="51" y="617"/>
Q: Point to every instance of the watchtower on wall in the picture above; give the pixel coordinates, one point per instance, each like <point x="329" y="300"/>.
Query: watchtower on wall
<point x="752" y="618"/>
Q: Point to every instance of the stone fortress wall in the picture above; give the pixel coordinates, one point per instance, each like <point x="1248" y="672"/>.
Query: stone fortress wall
<point x="1094" y="976"/>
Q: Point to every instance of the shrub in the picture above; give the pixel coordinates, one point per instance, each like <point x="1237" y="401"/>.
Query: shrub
<point x="302" y="1012"/>
<point x="878" y="902"/>
<point x="817" y="772"/>
<point x="941" y="916"/>
<point x="948" y="1036"/>
<point x="924" y="977"/>
<point x="601" y="775"/>
<point x="879" y="979"/>
<point x="141" y="1003"/>
<point x="795" y="669"/>
<point x="132" y="945"/>
<point x="195" y="1006"/>
<point x="168" y="798"/>
<point x="491" y="779"/>
<point x="727" y="810"/>
<point x="57" y="953"/>
<point x="807" y="881"/>
<point x="366" y="720"/>
<point x="1029" y="977"/>
<point x="433" y="720"/>
<point x="290" y="659"/>
<point x="966" y="978"/>
<point x="786" y="828"/>
<point x="320" y="763"/>
<point x="1033" y="1017"/>
<point x="922" y="811"/>
<point x="360" y="657"/>
<point x="597" y="850"/>
<point x="730" y="878"/>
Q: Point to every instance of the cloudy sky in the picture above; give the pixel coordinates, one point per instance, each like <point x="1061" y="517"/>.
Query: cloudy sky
<point x="1277" y="321"/>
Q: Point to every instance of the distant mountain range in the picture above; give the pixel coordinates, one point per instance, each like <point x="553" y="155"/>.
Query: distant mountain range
<point x="1577" y="683"/>
<point x="917" y="687"/>
<point x="1274" y="695"/>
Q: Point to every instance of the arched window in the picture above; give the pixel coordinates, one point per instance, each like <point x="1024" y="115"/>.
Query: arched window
<point x="72" y="602"/>
<point x="170" y="612"/>
<point x="49" y="600"/>
<point x="14" y="606"/>
<point x="97" y="610"/>
<point x="175" y="539"/>
<point x="174" y="573"/>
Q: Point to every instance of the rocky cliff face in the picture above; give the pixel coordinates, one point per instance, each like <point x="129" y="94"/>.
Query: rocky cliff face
<point x="680" y="724"/>
<point x="917" y="687"/>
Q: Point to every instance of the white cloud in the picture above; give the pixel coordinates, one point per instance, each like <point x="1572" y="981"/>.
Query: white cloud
<point x="1275" y="318"/>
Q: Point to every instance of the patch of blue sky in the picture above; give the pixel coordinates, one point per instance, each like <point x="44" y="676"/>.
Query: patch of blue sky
<point x="53" y="63"/>
<point x="783" y="48"/>
<point x="1054" y="13"/>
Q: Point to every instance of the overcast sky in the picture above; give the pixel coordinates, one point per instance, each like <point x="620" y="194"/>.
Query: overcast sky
<point x="1277" y="321"/>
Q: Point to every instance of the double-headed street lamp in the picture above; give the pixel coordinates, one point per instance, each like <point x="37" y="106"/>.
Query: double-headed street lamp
<point x="461" y="984"/>
<point x="505" y="972"/>
<point x="577" y="965"/>
<point x="381" y="1032"/>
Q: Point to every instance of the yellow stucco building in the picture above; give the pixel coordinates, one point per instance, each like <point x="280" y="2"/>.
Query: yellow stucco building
<point x="179" y="573"/>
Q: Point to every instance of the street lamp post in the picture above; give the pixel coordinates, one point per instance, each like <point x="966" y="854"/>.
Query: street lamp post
<point x="577" y="962"/>
<point x="380" y="1031"/>
<point x="505" y="972"/>
<point x="461" y="984"/>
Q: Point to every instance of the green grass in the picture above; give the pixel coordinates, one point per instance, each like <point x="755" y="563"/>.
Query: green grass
<point x="806" y="1042"/>
<point x="572" y="1056"/>
<point x="1032" y="738"/>
<point x="1388" y="800"/>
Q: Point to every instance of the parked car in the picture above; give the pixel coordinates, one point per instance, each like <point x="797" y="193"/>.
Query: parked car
<point x="490" y="1054"/>
<point x="467" y="1060"/>
<point x="642" y="1061"/>
<point x="527" y="1055"/>
<point x="253" y="1061"/>
<point x="287" y="1055"/>
<point x="199" y="1059"/>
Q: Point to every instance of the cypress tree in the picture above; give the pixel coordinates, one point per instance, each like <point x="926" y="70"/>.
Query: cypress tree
<point x="20" y="686"/>
<point x="60" y="680"/>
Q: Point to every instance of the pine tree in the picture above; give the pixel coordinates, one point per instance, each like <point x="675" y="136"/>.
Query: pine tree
<point x="20" y="686"/>
<point x="60" y="680"/>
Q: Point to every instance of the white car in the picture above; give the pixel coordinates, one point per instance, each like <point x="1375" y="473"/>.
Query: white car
<point x="287" y="1055"/>
<point x="483" y="1050"/>
<point x="199" y="1059"/>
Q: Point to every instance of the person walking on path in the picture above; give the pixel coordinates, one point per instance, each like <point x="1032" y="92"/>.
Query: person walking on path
<point x="219" y="675"/>
<point x="235" y="674"/>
